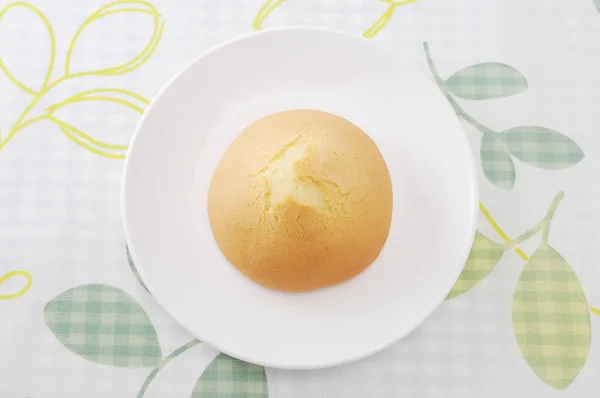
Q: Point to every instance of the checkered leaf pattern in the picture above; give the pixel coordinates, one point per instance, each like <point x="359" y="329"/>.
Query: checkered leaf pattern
<point x="551" y="319"/>
<point x="104" y="325"/>
<point x="484" y="255"/>
<point x="497" y="164"/>
<point x="486" y="81"/>
<point x="227" y="377"/>
<point x="542" y="147"/>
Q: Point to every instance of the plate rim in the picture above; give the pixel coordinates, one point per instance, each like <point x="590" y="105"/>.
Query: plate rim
<point x="472" y="179"/>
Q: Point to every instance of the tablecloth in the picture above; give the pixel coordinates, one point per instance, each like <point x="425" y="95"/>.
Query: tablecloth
<point x="523" y="77"/>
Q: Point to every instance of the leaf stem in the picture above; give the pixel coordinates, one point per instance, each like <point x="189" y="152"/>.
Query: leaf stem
<point x="164" y="362"/>
<point x="136" y="62"/>
<point x="20" y="123"/>
<point x="524" y="236"/>
<point x="457" y="108"/>
<point x="543" y="225"/>
<point x="499" y="230"/>
<point x="550" y="215"/>
<point x="484" y="129"/>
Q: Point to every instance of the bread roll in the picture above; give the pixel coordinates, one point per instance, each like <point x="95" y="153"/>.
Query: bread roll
<point x="301" y="200"/>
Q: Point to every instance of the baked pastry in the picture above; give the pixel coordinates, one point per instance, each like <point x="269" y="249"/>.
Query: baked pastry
<point x="301" y="200"/>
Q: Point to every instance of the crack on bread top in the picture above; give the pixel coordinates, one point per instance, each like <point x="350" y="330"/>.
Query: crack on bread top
<point x="290" y="176"/>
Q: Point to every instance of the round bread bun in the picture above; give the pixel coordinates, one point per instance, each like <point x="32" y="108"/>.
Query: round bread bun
<point x="301" y="200"/>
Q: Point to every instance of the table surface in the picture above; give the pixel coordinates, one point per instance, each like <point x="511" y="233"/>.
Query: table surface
<point x="523" y="77"/>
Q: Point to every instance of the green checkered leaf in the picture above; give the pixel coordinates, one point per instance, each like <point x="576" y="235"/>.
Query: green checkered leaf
<point x="486" y="81"/>
<point x="227" y="377"/>
<point x="484" y="255"/>
<point x="542" y="147"/>
<point x="496" y="163"/>
<point x="104" y="325"/>
<point x="551" y="320"/>
<point x="134" y="270"/>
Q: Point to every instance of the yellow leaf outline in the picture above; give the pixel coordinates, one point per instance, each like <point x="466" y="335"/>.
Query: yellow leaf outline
<point x="264" y="12"/>
<point x="86" y="141"/>
<point x="111" y="9"/>
<point x="48" y="26"/>
<point x="378" y="25"/>
<point x="88" y="96"/>
<point x="270" y="5"/>
<point x="12" y="274"/>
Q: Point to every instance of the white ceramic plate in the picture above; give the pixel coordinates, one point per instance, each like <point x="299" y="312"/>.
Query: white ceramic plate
<point x="190" y="124"/>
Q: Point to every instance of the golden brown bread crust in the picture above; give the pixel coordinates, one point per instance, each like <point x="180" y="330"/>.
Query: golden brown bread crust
<point x="301" y="200"/>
